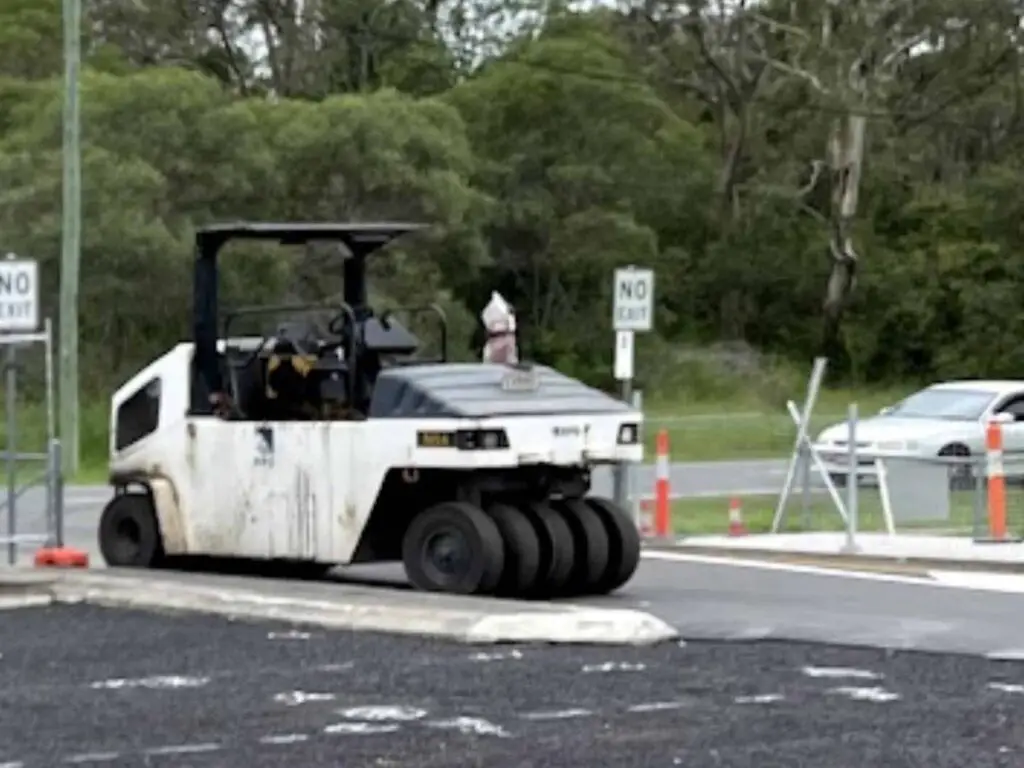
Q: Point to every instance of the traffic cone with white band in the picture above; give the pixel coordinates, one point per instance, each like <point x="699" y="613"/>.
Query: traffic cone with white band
<point x="736" y="526"/>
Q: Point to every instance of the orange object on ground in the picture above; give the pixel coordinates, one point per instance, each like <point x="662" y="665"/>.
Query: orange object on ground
<point x="61" y="557"/>
<point x="996" y="481"/>
<point x="662" y="513"/>
<point x="736" y="526"/>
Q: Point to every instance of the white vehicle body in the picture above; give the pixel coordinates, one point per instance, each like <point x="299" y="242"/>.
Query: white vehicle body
<point x="308" y="490"/>
<point x="945" y="418"/>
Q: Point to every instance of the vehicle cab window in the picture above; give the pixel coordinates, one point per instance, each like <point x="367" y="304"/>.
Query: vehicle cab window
<point x="139" y="415"/>
<point x="1013" y="406"/>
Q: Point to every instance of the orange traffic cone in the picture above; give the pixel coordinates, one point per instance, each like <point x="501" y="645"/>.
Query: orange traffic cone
<point x="736" y="526"/>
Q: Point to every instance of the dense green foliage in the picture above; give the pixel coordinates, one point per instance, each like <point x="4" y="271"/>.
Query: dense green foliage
<point x="544" y="149"/>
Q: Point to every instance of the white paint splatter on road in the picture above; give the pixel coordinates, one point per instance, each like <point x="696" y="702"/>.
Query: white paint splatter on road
<point x="841" y="672"/>
<point x="614" y="666"/>
<point x="1007" y="687"/>
<point x="472" y="725"/>
<point x="513" y="654"/>
<point x="560" y="714"/>
<point x="761" y="698"/>
<point x="656" y="706"/>
<point x="296" y="698"/>
<point x="384" y="712"/>
<point x="156" y="682"/>
<point x="279" y="739"/>
<point x="291" y="635"/>
<point x="360" y="729"/>
<point x="92" y="757"/>
<point x="182" y="749"/>
<point x="876" y="694"/>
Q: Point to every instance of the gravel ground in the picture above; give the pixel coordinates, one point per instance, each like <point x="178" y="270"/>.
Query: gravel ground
<point x="89" y="686"/>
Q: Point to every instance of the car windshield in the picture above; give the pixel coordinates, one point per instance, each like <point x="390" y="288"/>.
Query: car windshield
<point x="952" y="404"/>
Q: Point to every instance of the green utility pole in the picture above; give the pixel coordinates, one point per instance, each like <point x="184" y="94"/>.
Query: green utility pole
<point x="71" y="242"/>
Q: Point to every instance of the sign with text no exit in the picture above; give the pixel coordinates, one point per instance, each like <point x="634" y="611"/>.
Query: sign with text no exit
<point x="634" y="300"/>
<point x="19" y="295"/>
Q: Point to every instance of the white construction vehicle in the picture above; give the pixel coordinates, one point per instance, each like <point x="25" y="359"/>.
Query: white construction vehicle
<point x="317" y="448"/>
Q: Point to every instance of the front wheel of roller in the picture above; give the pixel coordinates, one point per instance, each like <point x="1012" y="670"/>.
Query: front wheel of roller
<point x="590" y="542"/>
<point x="623" y="544"/>
<point x="129" y="534"/>
<point x="522" y="551"/>
<point x="453" y="547"/>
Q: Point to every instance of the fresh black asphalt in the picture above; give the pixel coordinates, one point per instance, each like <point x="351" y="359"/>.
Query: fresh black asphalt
<point x="97" y="687"/>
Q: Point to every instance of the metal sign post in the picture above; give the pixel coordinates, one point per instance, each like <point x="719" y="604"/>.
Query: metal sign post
<point x="19" y="325"/>
<point x="804" y="453"/>
<point x="632" y="312"/>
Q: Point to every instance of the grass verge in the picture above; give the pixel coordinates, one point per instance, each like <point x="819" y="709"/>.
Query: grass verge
<point x="738" y="428"/>
<point x="694" y="517"/>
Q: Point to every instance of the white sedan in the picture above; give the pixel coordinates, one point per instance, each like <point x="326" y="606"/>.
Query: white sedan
<point x="947" y="419"/>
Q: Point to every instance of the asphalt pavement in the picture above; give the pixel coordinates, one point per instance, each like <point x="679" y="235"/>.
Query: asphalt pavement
<point x="705" y="598"/>
<point x="90" y="686"/>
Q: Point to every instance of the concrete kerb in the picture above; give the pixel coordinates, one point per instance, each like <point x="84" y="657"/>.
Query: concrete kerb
<point x="357" y="609"/>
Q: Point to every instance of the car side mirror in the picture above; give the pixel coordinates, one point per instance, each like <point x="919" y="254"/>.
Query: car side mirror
<point x="1003" y="418"/>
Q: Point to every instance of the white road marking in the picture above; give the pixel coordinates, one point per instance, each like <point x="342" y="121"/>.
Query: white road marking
<point x="984" y="581"/>
<point x="656" y="706"/>
<point x="284" y="738"/>
<point x="157" y="682"/>
<point x="296" y="698"/>
<point x="92" y="757"/>
<point x="810" y="570"/>
<point x="182" y="749"/>
<point x="360" y="729"/>
<point x="614" y="666"/>
<point x="1007" y="687"/>
<point x="762" y="698"/>
<point x="12" y="765"/>
<point x="292" y="635"/>
<point x="343" y="667"/>
<point x="472" y="725"/>
<point x="384" y="713"/>
<point x="563" y="714"/>
<point x="876" y="694"/>
<point x="840" y="672"/>
<point x="981" y="581"/>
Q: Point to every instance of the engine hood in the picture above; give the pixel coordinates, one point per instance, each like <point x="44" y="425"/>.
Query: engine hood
<point x="480" y="390"/>
<point x="891" y="429"/>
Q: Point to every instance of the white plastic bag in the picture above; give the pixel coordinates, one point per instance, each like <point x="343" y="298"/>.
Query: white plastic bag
<point x="500" y="322"/>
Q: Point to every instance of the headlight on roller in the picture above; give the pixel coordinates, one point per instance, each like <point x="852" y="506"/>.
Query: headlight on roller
<point x="481" y="439"/>
<point x="629" y="434"/>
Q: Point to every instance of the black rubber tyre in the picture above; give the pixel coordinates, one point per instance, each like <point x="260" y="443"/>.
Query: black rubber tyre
<point x="590" y="542"/>
<point x="557" y="552"/>
<point x="453" y="547"/>
<point x="961" y="475"/>
<point x="129" y="535"/>
<point x="623" y="544"/>
<point x="522" y="551"/>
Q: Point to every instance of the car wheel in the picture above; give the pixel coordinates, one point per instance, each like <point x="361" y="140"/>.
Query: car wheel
<point x="961" y="473"/>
